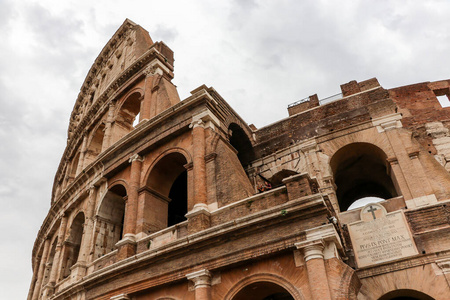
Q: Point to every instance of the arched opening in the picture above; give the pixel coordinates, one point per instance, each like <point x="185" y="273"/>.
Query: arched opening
<point x="72" y="244"/>
<point x="277" y="179"/>
<point x="405" y="294"/>
<point x="240" y="141"/>
<point x="50" y="262"/>
<point x="109" y="220"/>
<point x="73" y="167"/>
<point x="168" y="183"/>
<point x="360" y="171"/>
<point x="263" y="291"/>
<point x="95" y="146"/>
<point x="126" y="115"/>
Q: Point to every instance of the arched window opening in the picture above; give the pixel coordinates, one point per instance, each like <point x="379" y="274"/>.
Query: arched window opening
<point x="405" y="294"/>
<point x="277" y="179"/>
<point x="95" y="146"/>
<point x="168" y="180"/>
<point x="263" y="291"/>
<point x="74" y="167"/>
<point x="240" y="141"/>
<point x="109" y="222"/>
<point x="360" y="171"/>
<point x="127" y="115"/>
<point x="73" y="243"/>
<point x="50" y="262"/>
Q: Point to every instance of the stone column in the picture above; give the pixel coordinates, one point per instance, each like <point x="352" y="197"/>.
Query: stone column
<point x="109" y="121"/>
<point x="202" y="284"/>
<point x="199" y="216"/>
<point x="128" y="244"/>
<point x="83" y="150"/>
<point x="315" y="266"/>
<point x="198" y="145"/>
<point x="57" y="259"/>
<point x="146" y="103"/>
<point x="40" y="270"/>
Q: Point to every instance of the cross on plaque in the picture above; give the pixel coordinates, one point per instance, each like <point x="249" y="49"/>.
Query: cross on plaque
<point x="372" y="210"/>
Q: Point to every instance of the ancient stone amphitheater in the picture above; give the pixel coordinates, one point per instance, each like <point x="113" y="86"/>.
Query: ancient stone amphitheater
<point x="158" y="198"/>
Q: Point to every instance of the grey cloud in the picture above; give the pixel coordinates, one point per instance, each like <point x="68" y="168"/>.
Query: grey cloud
<point x="53" y="31"/>
<point x="165" y="33"/>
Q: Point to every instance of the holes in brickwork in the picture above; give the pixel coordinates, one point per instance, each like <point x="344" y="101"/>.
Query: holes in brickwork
<point x="360" y="171"/>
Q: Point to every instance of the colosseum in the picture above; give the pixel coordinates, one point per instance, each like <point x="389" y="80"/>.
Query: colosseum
<point x="167" y="199"/>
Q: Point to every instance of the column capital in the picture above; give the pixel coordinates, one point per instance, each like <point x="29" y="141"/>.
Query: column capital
<point x="205" y="119"/>
<point x="120" y="297"/>
<point x="200" y="278"/>
<point x="135" y="157"/>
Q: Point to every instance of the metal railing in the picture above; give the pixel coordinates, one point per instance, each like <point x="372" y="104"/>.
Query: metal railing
<point x="330" y="99"/>
<point x="299" y="102"/>
<point x="321" y="101"/>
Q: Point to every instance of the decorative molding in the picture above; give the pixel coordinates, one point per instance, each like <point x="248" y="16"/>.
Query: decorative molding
<point x="388" y="122"/>
<point x="201" y="279"/>
<point x="120" y="297"/>
<point x="206" y="119"/>
<point x="136" y="157"/>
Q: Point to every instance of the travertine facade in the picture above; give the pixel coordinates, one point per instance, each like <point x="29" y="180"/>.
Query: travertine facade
<point x="157" y="198"/>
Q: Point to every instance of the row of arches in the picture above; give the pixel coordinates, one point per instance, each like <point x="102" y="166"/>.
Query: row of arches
<point x="115" y="124"/>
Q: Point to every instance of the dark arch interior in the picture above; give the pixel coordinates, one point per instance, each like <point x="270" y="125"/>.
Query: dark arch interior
<point x="74" y="243"/>
<point x="112" y="214"/>
<point x="240" y="141"/>
<point x="169" y="179"/>
<point x="360" y="171"/>
<point x="405" y="294"/>
<point x="263" y="291"/>
<point x="178" y="200"/>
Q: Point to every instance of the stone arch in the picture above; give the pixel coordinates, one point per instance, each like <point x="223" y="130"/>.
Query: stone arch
<point x="109" y="219"/>
<point x="263" y="278"/>
<point x="74" y="166"/>
<point x="234" y="120"/>
<point x="360" y="171"/>
<point x="126" y="113"/>
<point x="95" y="143"/>
<point x="277" y="178"/>
<point x="166" y="188"/>
<point x="405" y="294"/>
<point x="50" y="261"/>
<point x="73" y="243"/>
<point x="422" y="279"/>
<point x="240" y="141"/>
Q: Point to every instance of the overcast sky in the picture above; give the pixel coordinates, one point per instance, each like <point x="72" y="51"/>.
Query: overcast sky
<point x="259" y="55"/>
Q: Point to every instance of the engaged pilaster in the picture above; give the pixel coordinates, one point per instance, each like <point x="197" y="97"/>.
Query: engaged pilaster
<point x="40" y="271"/>
<point x="202" y="284"/>
<point x="199" y="216"/>
<point x="127" y="246"/>
<point x="320" y="243"/>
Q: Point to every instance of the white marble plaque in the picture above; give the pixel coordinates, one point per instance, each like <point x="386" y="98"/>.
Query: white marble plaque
<point x="382" y="238"/>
